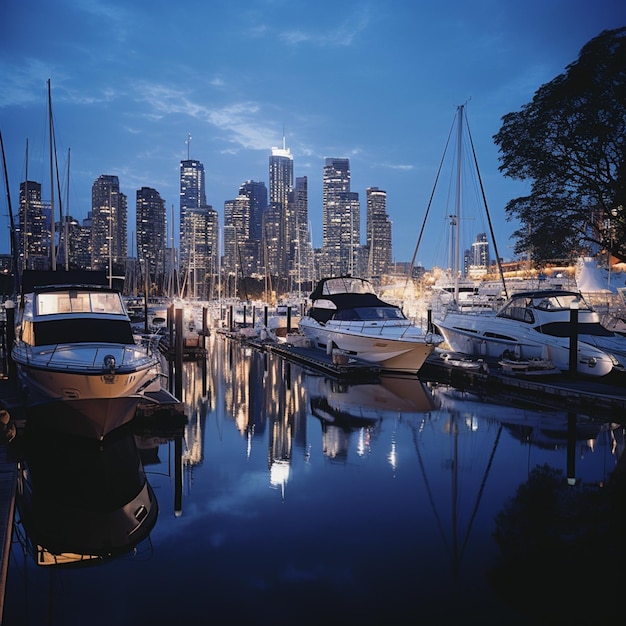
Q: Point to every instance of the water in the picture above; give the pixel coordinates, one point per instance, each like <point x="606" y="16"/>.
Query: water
<point x="268" y="512"/>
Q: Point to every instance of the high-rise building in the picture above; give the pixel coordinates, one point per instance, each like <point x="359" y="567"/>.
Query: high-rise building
<point x="109" y="242"/>
<point x="341" y="219"/>
<point x="151" y="233"/>
<point x="256" y="192"/>
<point x="479" y="259"/>
<point x="237" y="250"/>
<point x="33" y="232"/>
<point x="198" y="232"/>
<point x="378" y="235"/>
<point x="301" y="250"/>
<point x="279" y="227"/>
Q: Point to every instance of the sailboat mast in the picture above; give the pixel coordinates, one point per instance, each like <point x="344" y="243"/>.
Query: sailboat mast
<point x="26" y="211"/>
<point x="52" y="229"/>
<point x="66" y="226"/>
<point x="457" y="205"/>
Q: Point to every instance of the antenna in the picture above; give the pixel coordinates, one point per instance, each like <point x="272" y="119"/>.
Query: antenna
<point x="284" y="144"/>
<point x="188" y="142"/>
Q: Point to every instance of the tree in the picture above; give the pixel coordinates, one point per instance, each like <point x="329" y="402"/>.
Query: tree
<point x="570" y="142"/>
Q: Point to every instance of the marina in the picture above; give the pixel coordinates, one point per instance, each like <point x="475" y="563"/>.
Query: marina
<point x="370" y="498"/>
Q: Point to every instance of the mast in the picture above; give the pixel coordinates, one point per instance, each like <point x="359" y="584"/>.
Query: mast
<point x="14" y="252"/>
<point x="52" y="229"/>
<point x="26" y="211"/>
<point x="456" y="240"/>
<point x="67" y="216"/>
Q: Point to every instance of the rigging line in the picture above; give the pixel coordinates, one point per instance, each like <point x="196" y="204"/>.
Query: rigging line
<point x="419" y="239"/>
<point x="428" y="489"/>
<point x="480" y="493"/>
<point x="11" y="220"/>
<point x="482" y="191"/>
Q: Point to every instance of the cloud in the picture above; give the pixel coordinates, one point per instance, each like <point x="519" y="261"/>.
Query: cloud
<point x="239" y="122"/>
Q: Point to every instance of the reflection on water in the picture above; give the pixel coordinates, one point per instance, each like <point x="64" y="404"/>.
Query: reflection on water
<point x="291" y="496"/>
<point x="80" y="503"/>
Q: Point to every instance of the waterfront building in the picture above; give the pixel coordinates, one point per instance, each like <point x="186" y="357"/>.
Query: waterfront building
<point x="239" y="252"/>
<point x="301" y="251"/>
<point x="280" y="223"/>
<point x="256" y="192"/>
<point x="33" y="232"/>
<point x="109" y="242"/>
<point x="378" y="235"/>
<point x="151" y="233"/>
<point x="341" y="219"/>
<point x="198" y="233"/>
<point x="479" y="261"/>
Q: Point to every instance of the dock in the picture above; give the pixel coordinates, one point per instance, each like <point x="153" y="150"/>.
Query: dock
<point x="339" y="365"/>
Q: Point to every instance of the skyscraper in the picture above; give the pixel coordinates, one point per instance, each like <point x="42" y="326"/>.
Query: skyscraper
<point x="302" y="252"/>
<point x="33" y="231"/>
<point x="151" y="234"/>
<point x="378" y="235"/>
<point x="341" y="219"/>
<point x="109" y="243"/>
<point x="256" y="192"/>
<point x="198" y="231"/>
<point x="279" y="228"/>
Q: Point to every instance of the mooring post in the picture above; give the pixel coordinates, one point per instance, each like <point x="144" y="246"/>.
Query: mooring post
<point x="288" y="318"/>
<point x="573" y="338"/>
<point x="571" y="449"/>
<point x="9" y="334"/>
<point x="265" y="316"/>
<point x="205" y="325"/>
<point x="178" y="368"/>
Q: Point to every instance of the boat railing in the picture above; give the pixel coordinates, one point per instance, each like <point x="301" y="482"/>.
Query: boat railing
<point x="123" y="356"/>
<point x="401" y="327"/>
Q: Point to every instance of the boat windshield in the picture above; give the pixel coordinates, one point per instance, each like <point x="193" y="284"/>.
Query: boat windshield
<point x="76" y="301"/>
<point x="370" y="313"/>
<point x="347" y="284"/>
<point x="559" y="302"/>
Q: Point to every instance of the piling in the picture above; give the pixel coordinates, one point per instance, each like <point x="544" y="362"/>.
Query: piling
<point x="573" y="338"/>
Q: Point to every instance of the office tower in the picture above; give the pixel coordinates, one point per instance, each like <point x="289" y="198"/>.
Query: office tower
<point x="302" y="253"/>
<point x="109" y="244"/>
<point x="237" y="257"/>
<point x="378" y="235"/>
<point x="33" y="233"/>
<point x="279" y="227"/>
<point x="198" y="232"/>
<point x="151" y="233"/>
<point x="256" y="192"/>
<point x="341" y="217"/>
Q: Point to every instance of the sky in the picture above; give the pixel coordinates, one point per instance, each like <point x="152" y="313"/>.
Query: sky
<point x="377" y="81"/>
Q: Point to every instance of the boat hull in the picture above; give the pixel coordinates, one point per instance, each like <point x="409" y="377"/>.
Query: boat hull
<point x="401" y="352"/>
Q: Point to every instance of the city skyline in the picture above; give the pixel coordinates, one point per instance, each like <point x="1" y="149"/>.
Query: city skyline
<point x="376" y="83"/>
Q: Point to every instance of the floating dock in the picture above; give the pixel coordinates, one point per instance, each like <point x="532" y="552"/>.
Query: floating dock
<point x="338" y="365"/>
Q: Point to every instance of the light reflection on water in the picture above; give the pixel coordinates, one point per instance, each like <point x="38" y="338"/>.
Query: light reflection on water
<point x="291" y="496"/>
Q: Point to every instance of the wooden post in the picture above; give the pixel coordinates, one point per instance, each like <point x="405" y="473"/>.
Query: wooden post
<point x="573" y="338"/>
<point x="9" y="334"/>
<point x="178" y="368"/>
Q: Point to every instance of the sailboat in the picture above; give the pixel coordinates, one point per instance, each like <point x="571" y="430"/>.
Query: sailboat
<point x="528" y="326"/>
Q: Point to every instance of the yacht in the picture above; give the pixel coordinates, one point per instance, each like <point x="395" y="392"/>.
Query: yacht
<point x="74" y="344"/>
<point x="537" y="325"/>
<point x="347" y="316"/>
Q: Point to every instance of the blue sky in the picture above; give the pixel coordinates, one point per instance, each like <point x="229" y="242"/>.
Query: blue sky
<point x="375" y="81"/>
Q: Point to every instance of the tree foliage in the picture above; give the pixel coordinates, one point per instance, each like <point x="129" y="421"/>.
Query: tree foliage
<point x="570" y="143"/>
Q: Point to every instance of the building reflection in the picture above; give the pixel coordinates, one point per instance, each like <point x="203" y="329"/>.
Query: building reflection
<point x="269" y="399"/>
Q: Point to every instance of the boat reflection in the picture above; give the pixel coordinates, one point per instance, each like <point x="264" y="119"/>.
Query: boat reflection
<point x="81" y="503"/>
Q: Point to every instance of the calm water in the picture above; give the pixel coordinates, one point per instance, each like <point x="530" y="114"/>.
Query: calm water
<point x="292" y="498"/>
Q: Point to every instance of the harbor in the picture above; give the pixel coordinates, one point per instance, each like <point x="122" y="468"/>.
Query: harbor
<point x="290" y="482"/>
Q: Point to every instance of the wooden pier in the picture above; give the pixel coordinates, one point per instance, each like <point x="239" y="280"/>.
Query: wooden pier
<point x="337" y="365"/>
